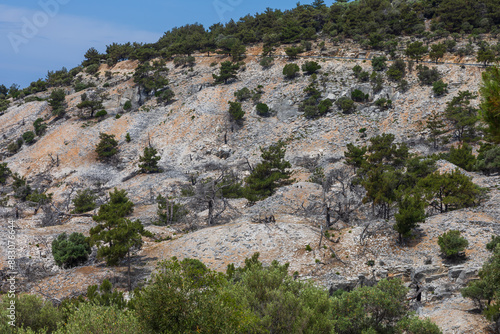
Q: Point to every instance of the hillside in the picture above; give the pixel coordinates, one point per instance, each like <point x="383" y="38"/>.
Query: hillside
<point x="196" y="138"/>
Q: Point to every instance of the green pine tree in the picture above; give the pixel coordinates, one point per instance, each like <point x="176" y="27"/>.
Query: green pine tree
<point x="270" y="174"/>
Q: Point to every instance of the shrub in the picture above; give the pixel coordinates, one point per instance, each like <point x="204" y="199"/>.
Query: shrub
<point x="127" y="138"/>
<point x="292" y="52"/>
<point x="15" y="145"/>
<point x="364" y="76"/>
<point x="266" y="62"/>
<point x="488" y="160"/>
<point x="39" y="126"/>
<point x="4" y="172"/>
<point x="107" y="147"/>
<point x="427" y="76"/>
<point x="127" y="106"/>
<point x="346" y="105"/>
<point x="451" y="243"/>
<point x="243" y="94"/>
<point x="28" y="137"/>
<point x="101" y="113"/>
<point x="379" y="63"/>
<point x="359" y="96"/>
<point x="92" y="69"/>
<point x="165" y="95"/>
<point x="236" y="111"/>
<point x="462" y="157"/>
<point x="57" y="101"/>
<point x="357" y="70"/>
<point x="440" y="88"/>
<point x="32" y="312"/>
<point x="383" y="103"/>
<point x="149" y="161"/>
<point x="91" y="318"/>
<point x="84" y="201"/>
<point x="310" y="67"/>
<point x="290" y="71"/>
<point x="262" y="109"/>
<point x="70" y="251"/>
<point x="397" y="70"/>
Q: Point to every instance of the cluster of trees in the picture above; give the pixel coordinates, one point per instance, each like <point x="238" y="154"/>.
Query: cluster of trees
<point x="374" y="24"/>
<point x="394" y="178"/>
<point x="185" y="296"/>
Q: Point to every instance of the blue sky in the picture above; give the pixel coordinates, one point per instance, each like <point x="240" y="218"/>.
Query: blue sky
<point x="41" y="35"/>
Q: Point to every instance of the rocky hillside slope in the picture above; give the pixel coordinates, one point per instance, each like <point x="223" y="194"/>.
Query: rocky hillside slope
<point x="195" y="137"/>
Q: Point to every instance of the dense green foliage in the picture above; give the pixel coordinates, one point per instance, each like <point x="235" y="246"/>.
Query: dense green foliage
<point x="490" y="106"/>
<point x="313" y="106"/>
<point x="346" y="105"/>
<point x="151" y="77"/>
<point x="451" y="243"/>
<point x="39" y="126"/>
<point x="107" y="147"/>
<point x="462" y="157"/>
<point x="310" y="67"/>
<point x="462" y="116"/>
<point x="148" y="163"/>
<point x="4" y="172"/>
<point x="84" y="201"/>
<point x="29" y="137"/>
<point x="262" y="109"/>
<point x="439" y="88"/>
<point x="270" y="174"/>
<point x="227" y="71"/>
<point x="488" y="160"/>
<point x="236" y="111"/>
<point x="70" y="251"/>
<point x="115" y="236"/>
<point x="290" y="70"/>
<point x="485" y="292"/>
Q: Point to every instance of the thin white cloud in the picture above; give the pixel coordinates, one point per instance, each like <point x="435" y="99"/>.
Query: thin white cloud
<point x="61" y="31"/>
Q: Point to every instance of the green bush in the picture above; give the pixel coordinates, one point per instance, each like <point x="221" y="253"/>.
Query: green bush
<point x="462" y="157"/>
<point x="290" y="70"/>
<point x="440" y="88"/>
<point x="488" y="160"/>
<point x="397" y="70"/>
<point x="127" y="106"/>
<point x="28" y="137"/>
<point x="359" y="96"/>
<point x="149" y="161"/>
<point x="357" y="70"/>
<point x="236" y="111"/>
<point x="383" y="103"/>
<point x="427" y="76"/>
<point x="379" y="63"/>
<point x="107" y="147"/>
<point x="14" y="146"/>
<point x="266" y="62"/>
<point x="39" y="126"/>
<point x="243" y="94"/>
<point x="310" y="67"/>
<point x="92" y="69"/>
<point x="262" y="109"/>
<point x="90" y="318"/>
<point x="4" y="172"/>
<point x="70" y="251"/>
<point x="451" y="243"/>
<point x="31" y="312"/>
<point x="128" y="139"/>
<point x="101" y="113"/>
<point x="364" y="76"/>
<point x="346" y="105"/>
<point x="84" y="201"/>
